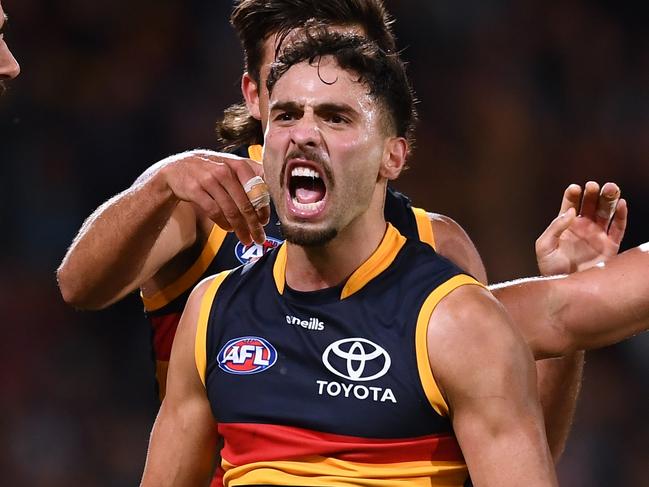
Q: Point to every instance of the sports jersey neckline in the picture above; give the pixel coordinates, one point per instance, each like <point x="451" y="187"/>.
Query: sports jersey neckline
<point x="321" y="296"/>
<point x="379" y="261"/>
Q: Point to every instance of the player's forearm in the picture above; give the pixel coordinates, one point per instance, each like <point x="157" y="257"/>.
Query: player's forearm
<point x="608" y="303"/>
<point x="512" y="460"/>
<point x="559" y="382"/>
<point x="515" y="458"/>
<point x="504" y="444"/>
<point x="182" y="450"/>
<point x="585" y="310"/>
<point x="533" y="307"/>
<point x="105" y="260"/>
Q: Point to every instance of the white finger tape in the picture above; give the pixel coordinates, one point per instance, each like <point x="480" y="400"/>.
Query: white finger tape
<point x="252" y="182"/>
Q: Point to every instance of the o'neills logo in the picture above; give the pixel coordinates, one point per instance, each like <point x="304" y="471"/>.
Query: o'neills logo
<point x="310" y="324"/>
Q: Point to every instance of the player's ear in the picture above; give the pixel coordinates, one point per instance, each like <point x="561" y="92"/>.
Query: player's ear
<point x="395" y="153"/>
<point x="250" y="91"/>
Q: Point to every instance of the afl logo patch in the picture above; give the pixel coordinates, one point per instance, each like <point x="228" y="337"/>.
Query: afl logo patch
<point x="250" y="253"/>
<point x="247" y="355"/>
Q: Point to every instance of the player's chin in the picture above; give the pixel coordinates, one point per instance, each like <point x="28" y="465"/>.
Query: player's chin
<point x="308" y="235"/>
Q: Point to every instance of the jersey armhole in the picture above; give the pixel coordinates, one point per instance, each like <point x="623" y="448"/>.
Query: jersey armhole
<point x="424" y="226"/>
<point x="191" y="275"/>
<point x="431" y="389"/>
<point x="200" y="343"/>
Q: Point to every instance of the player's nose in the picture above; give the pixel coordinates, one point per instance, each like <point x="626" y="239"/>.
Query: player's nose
<point x="306" y="132"/>
<point x="9" y="67"/>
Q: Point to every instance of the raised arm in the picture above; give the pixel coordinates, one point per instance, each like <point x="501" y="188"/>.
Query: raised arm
<point x="133" y="235"/>
<point x="183" y="442"/>
<point x="588" y="230"/>
<point x="487" y="375"/>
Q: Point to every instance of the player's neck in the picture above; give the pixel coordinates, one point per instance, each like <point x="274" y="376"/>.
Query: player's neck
<point x="314" y="268"/>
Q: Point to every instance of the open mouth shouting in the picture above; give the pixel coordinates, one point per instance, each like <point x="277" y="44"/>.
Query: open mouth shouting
<point x="307" y="189"/>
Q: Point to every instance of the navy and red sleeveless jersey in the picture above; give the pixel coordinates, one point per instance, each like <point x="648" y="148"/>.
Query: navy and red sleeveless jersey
<point x="331" y="387"/>
<point x="223" y="251"/>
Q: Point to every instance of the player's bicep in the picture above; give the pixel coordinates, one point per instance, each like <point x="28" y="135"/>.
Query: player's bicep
<point x="183" y="440"/>
<point x="470" y="324"/>
<point x="183" y="377"/>
<point x="452" y="242"/>
<point x="488" y="377"/>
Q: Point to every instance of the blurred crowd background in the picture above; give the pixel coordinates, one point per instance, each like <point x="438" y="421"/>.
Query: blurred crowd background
<point x="518" y="99"/>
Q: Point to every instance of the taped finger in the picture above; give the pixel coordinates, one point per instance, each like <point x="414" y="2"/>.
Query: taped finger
<point x="607" y="202"/>
<point x="257" y="192"/>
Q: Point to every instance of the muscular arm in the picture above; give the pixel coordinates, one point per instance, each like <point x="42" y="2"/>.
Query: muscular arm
<point x="487" y="375"/>
<point x="559" y="378"/>
<point x="124" y="242"/>
<point x="588" y="230"/>
<point x="132" y="236"/>
<point x="183" y="442"/>
<point x="585" y="310"/>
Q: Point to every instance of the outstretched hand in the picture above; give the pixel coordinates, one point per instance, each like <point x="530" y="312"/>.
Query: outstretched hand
<point x="583" y="234"/>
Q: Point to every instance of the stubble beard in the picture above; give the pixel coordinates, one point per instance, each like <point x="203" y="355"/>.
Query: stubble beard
<point x="306" y="237"/>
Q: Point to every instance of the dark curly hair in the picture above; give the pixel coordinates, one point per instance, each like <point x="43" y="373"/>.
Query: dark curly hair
<point x="256" y="20"/>
<point x="383" y="73"/>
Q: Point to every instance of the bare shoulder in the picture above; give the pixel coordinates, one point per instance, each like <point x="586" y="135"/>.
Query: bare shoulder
<point x="199" y="293"/>
<point x="195" y="303"/>
<point x="453" y="243"/>
<point x="184" y="371"/>
<point x="467" y="312"/>
<point x="469" y="331"/>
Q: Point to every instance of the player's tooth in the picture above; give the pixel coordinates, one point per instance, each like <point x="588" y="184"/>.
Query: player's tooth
<point x="307" y="206"/>
<point x="304" y="172"/>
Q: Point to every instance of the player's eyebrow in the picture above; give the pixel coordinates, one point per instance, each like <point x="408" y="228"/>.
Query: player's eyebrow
<point x="4" y="19"/>
<point x="286" y="106"/>
<point x="342" y="108"/>
<point x="326" y="107"/>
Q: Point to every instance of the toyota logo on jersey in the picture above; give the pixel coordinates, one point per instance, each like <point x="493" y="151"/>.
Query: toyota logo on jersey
<point x="357" y="359"/>
<point x="247" y="355"/>
<point x="250" y="253"/>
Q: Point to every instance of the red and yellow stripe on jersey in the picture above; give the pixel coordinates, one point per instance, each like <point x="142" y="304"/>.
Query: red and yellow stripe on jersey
<point x="283" y="455"/>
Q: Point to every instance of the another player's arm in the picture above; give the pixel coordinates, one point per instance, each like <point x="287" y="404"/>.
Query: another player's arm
<point x="585" y="310"/>
<point x="486" y="373"/>
<point x="128" y="239"/>
<point x="183" y="442"/>
<point x="588" y="230"/>
<point x="123" y="243"/>
<point x="558" y="378"/>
